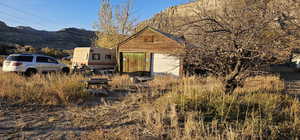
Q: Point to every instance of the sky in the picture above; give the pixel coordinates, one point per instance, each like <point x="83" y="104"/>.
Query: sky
<point x="53" y="15"/>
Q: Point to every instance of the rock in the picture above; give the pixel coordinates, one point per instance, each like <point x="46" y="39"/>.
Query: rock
<point x="171" y="18"/>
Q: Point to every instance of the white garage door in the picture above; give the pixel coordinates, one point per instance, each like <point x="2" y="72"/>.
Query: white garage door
<point x="165" y="64"/>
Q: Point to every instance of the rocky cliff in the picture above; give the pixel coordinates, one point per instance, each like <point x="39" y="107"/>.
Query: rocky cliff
<point x="169" y="19"/>
<point x="68" y="38"/>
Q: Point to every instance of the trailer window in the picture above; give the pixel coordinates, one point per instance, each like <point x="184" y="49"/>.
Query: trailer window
<point x="108" y="57"/>
<point x="96" y="56"/>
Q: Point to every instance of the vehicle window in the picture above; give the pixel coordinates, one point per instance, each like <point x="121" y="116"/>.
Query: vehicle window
<point x="43" y="59"/>
<point x="51" y="60"/>
<point x="96" y="56"/>
<point x="108" y="57"/>
<point x="20" y="58"/>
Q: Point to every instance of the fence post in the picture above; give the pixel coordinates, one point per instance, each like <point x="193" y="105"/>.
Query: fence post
<point x="286" y="86"/>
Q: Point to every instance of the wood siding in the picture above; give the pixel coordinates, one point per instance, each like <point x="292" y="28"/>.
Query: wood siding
<point x="136" y="53"/>
<point x="151" y="41"/>
<point x="135" y="62"/>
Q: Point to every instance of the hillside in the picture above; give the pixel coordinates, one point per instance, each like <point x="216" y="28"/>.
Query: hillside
<point x="169" y="19"/>
<point x="177" y="19"/>
<point x="174" y="16"/>
<point x="67" y="38"/>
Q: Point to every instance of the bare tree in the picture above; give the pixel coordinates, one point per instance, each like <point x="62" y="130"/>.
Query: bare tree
<point x="125" y="20"/>
<point x="106" y="23"/>
<point x="115" y="23"/>
<point x="289" y="20"/>
<point x="233" y="42"/>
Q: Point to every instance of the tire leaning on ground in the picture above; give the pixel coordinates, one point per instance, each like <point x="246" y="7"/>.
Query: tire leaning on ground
<point x="29" y="72"/>
<point x="66" y="70"/>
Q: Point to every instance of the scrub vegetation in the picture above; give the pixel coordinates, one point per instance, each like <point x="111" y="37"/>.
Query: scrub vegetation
<point x="42" y="89"/>
<point x="166" y="107"/>
<point x="197" y="108"/>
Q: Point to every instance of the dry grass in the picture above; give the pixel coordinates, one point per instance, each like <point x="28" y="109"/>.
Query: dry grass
<point x="121" y="81"/>
<point x="44" y="89"/>
<point x="198" y="109"/>
<point x="164" y="82"/>
<point x="268" y="84"/>
<point x="1" y="60"/>
<point x="181" y="108"/>
<point x="118" y="81"/>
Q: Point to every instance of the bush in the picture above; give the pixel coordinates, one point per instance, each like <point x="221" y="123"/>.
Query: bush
<point x="53" y="52"/>
<point x="1" y="60"/>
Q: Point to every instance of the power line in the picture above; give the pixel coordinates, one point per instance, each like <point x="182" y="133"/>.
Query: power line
<point x="25" y="12"/>
<point x="19" y="19"/>
<point x="40" y="18"/>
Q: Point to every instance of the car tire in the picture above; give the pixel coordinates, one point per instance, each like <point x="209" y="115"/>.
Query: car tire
<point x="29" y="72"/>
<point x="66" y="70"/>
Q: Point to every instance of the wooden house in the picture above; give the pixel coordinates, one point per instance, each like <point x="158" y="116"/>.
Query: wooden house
<point x="151" y="52"/>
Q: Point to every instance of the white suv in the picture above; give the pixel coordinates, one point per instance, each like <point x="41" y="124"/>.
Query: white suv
<point x="33" y="63"/>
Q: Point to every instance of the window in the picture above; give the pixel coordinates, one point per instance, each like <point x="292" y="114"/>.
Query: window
<point x="43" y="59"/>
<point x="96" y="56"/>
<point x="108" y="57"/>
<point x="20" y="58"/>
<point x="51" y="60"/>
<point x="149" y="38"/>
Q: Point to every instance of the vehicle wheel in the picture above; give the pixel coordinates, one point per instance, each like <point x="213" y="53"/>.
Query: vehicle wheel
<point x="29" y="72"/>
<point x="66" y="70"/>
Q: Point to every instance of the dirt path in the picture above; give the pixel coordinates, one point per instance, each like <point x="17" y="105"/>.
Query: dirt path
<point x="73" y="122"/>
<point x="36" y="122"/>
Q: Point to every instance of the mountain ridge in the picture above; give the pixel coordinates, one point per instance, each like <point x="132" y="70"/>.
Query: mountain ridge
<point x="67" y="38"/>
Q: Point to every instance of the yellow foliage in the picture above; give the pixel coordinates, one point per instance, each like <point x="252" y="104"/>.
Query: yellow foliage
<point x="109" y="40"/>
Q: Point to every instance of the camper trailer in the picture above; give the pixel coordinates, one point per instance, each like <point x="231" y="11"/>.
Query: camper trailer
<point x="94" y="58"/>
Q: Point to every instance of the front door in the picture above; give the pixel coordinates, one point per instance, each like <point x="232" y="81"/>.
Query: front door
<point x="135" y="62"/>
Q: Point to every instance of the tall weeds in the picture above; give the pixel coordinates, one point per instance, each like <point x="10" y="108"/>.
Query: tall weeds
<point x="182" y="108"/>
<point x="197" y="108"/>
<point x="45" y="89"/>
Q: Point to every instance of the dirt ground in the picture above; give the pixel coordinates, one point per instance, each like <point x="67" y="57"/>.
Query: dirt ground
<point x="36" y="122"/>
<point x="113" y="119"/>
<point x="116" y="117"/>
